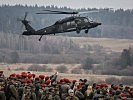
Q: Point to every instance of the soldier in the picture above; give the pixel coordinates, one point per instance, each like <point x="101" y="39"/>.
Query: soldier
<point x="1" y="74"/>
<point x="57" y="95"/>
<point x="29" y="94"/>
<point x="117" y="95"/>
<point x="64" y="89"/>
<point x="97" y="95"/>
<point x="78" y="93"/>
<point x="2" y="94"/>
<point x="46" y="94"/>
<point x="71" y="95"/>
<point x="53" y="78"/>
<point x="11" y="91"/>
<point x="20" y="92"/>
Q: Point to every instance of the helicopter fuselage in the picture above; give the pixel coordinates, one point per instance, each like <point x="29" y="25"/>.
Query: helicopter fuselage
<point x="69" y="24"/>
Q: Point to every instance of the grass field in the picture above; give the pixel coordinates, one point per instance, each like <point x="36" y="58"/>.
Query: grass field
<point x="112" y="44"/>
<point x="11" y="68"/>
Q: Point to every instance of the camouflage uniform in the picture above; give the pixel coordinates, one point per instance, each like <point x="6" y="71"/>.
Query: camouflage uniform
<point x="64" y="91"/>
<point x="46" y="95"/>
<point x="79" y="94"/>
<point x="12" y="92"/>
<point x="2" y="95"/>
<point x="20" y="92"/>
<point x="57" y="95"/>
<point x="29" y="94"/>
<point x="72" y="98"/>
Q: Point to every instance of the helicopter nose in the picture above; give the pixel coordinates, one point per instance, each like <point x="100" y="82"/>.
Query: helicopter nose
<point x="99" y="23"/>
<point x="95" y="24"/>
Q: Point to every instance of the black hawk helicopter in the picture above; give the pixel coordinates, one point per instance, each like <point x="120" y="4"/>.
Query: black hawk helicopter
<point x="68" y="24"/>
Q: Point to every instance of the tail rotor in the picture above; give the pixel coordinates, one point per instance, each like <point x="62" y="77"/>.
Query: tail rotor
<point x="23" y="21"/>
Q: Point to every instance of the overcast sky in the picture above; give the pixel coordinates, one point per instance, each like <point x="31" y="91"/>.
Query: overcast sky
<point x="116" y="4"/>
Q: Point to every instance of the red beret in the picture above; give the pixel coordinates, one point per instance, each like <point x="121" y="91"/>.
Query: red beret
<point x="98" y="86"/>
<point x="110" y="91"/>
<point x="48" y="82"/>
<point x="103" y="85"/>
<point x="1" y="72"/>
<point x="29" y="81"/>
<point x="61" y="80"/>
<point x="41" y="76"/>
<point x="23" y="81"/>
<point x="67" y="80"/>
<point x="42" y="85"/>
<point x="74" y="81"/>
<point x="24" y="75"/>
<point x="47" y="77"/>
<point x="123" y="95"/>
<point x="58" y="82"/>
<point x="30" y="75"/>
<point x="18" y="76"/>
<point x="37" y="78"/>
<point x="79" y="86"/>
<point x="115" y="87"/>
<point x="13" y="75"/>
<point x="33" y="75"/>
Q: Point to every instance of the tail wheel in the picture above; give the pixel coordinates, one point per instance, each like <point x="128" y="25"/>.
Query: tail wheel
<point x="77" y="31"/>
<point x="86" y="31"/>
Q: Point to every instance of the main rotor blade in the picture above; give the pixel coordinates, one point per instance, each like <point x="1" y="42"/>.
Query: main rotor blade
<point x="58" y="13"/>
<point x="86" y="12"/>
<point x="66" y="12"/>
<point x="18" y="19"/>
<point x="52" y="10"/>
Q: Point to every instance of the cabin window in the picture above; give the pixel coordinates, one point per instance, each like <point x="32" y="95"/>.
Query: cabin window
<point x="72" y="22"/>
<point x="68" y="23"/>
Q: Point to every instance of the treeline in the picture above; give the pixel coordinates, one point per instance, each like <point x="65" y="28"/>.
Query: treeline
<point x="51" y="49"/>
<point x="115" y="23"/>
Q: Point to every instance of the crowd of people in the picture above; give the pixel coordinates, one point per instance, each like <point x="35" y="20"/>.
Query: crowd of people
<point x="29" y="86"/>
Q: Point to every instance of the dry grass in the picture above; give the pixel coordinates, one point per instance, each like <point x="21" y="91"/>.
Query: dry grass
<point x="113" y="44"/>
<point x="10" y="68"/>
<point x="110" y="44"/>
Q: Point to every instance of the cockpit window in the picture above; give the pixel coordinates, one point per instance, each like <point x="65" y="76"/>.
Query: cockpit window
<point x="85" y="20"/>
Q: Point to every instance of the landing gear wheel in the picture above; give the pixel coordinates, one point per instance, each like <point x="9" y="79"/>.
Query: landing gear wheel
<point x="40" y="38"/>
<point x="78" y="31"/>
<point x="86" y="31"/>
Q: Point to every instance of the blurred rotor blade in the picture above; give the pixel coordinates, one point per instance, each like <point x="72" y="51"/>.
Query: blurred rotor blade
<point x="87" y="12"/>
<point x="26" y="13"/>
<point x="47" y="13"/>
<point x="58" y="13"/>
<point x="69" y="12"/>
<point x="52" y="10"/>
<point x="18" y="19"/>
<point x="22" y="26"/>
